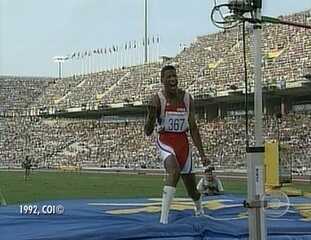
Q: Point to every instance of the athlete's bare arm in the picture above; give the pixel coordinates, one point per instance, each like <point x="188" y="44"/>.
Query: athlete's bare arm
<point x="195" y="134"/>
<point x="152" y="110"/>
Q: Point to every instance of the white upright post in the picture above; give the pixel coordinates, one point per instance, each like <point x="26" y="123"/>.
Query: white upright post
<point x="255" y="155"/>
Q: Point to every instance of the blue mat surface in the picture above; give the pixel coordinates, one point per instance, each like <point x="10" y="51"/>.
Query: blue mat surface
<point x="138" y="219"/>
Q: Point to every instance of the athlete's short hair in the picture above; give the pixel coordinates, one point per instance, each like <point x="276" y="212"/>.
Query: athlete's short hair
<point x="165" y="68"/>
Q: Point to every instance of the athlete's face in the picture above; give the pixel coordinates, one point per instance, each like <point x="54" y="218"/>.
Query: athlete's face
<point x="169" y="80"/>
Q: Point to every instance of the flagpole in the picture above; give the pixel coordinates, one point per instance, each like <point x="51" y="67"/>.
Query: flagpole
<point x="82" y="64"/>
<point x="117" y="52"/>
<point x="146" y="31"/>
<point x="151" y="51"/>
<point x="105" y="59"/>
<point x="141" y="54"/>
<point x="158" y="48"/>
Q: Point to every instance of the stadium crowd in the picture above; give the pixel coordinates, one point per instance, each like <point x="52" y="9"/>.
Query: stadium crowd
<point x="121" y="143"/>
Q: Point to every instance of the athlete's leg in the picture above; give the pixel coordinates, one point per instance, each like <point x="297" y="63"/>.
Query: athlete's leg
<point x="190" y="184"/>
<point x="173" y="174"/>
<point x="172" y="171"/>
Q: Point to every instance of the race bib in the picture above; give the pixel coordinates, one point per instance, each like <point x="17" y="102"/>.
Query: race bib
<point x="176" y="121"/>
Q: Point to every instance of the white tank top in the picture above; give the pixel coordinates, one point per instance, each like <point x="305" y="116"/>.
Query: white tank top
<point x="173" y="118"/>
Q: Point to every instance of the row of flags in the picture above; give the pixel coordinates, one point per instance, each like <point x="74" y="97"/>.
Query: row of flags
<point x="115" y="48"/>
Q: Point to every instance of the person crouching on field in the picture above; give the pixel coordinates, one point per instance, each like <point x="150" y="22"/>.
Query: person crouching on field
<point x="171" y="110"/>
<point x="210" y="184"/>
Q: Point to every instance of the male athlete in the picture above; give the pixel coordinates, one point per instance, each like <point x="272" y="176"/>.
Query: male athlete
<point x="172" y="110"/>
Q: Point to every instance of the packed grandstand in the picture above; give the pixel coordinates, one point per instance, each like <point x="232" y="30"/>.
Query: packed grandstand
<point x="96" y="119"/>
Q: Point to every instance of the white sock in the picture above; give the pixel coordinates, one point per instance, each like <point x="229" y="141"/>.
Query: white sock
<point x="199" y="211"/>
<point x="167" y="198"/>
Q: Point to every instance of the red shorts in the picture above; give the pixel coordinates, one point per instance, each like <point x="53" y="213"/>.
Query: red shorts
<point x="177" y="144"/>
